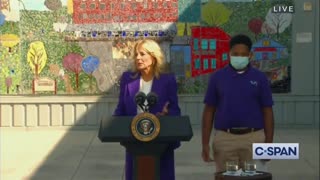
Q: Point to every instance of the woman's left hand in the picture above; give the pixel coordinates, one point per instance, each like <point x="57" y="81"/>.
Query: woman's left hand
<point x="165" y="110"/>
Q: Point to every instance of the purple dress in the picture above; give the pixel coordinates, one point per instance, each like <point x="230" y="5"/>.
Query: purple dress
<point x="166" y="89"/>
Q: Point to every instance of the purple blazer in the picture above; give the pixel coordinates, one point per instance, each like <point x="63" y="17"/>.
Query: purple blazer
<point x="165" y="87"/>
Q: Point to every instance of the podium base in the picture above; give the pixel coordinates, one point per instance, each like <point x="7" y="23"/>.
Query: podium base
<point x="146" y="159"/>
<point x="146" y="168"/>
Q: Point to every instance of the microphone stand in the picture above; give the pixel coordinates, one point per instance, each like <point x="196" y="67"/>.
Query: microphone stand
<point x="142" y="107"/>
<point x="146" y="108"/>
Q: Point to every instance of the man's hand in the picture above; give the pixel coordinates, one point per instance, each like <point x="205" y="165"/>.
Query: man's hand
<point x="269" y="126"/>
<point x="207" y="122"/>
<point x="267" y="141"/>
<point x="206" y="153"/>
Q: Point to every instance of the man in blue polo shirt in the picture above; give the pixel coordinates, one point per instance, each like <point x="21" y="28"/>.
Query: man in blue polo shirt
<point x="238" y="103"/>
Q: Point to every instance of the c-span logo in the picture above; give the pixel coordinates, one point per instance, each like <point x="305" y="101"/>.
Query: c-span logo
<point x="275" y="150"/>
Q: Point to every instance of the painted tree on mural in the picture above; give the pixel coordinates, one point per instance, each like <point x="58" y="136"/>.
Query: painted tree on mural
<point x="215" y="14"/>
<point x="242" y="13"/>
<point x="278" y="21"/>
<point x="53" y="4"/>
<point x="9" y="41"/>
<point x="72" y="62"/>
<point x="10" y="67"/>
<point x="37" y="57"/>
<point x="38" y="26"/>
<point x="189" y="12"/>
<point x="10" y="73"/>
<point x="255" y="25"/>
<point x="89" y="65"/>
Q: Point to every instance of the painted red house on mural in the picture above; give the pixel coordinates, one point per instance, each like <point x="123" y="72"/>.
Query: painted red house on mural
<point x="209" y="50"/>
<point x="109" y="11"/>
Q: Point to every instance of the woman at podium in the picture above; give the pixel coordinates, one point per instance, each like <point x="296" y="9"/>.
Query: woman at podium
<point x="149" y="74"/>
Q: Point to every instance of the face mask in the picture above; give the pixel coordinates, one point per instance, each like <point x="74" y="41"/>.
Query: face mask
<point x="239" y="62"/>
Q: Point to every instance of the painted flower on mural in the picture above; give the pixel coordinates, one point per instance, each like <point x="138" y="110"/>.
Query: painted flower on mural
<point x="37" y="57"/>
<point x="72" y="62"/>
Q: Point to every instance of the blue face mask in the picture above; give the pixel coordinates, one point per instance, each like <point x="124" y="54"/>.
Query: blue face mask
<point x="239" y="62"/>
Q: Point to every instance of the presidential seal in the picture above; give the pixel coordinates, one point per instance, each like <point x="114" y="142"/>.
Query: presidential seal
<point x="145" y="127"/>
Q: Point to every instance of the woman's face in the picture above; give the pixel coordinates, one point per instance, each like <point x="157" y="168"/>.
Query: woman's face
<point x="143" y="61"/>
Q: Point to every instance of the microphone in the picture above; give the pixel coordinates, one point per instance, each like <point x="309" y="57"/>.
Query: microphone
<point x="152" y="99"/>
<point x="139" y="98"/>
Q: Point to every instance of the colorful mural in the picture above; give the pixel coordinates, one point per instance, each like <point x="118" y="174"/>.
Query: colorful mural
<point x="83" y="46"/>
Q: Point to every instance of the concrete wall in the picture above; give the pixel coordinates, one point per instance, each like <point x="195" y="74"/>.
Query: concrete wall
<point x="87" y="111"/>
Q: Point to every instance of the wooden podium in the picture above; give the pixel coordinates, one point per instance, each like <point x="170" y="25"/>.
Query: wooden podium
<point x="146" y="139"/>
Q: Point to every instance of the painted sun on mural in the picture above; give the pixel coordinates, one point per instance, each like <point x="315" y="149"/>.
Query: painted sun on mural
<point x="57" y="47"/>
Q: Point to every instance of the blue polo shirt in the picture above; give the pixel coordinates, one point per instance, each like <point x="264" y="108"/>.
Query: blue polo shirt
<point x="238" y="98"/>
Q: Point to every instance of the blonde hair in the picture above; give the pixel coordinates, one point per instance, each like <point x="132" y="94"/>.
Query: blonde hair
<point x="154" y="50"/>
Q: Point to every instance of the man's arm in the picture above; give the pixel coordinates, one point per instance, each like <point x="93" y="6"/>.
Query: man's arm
<point x="268" y="124"/>
<point x="266" y="102"/>
<point x="207" y="123"/>
<point x="211" y="102"/>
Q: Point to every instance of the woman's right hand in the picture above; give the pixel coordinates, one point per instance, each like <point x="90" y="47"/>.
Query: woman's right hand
<point x="165" y="110"/>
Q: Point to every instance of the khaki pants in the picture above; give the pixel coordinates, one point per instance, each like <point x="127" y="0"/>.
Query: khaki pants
<point x="232" y="147"/>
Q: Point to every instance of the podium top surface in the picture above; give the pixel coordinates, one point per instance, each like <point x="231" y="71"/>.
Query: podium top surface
<point x="172" y="129"/>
